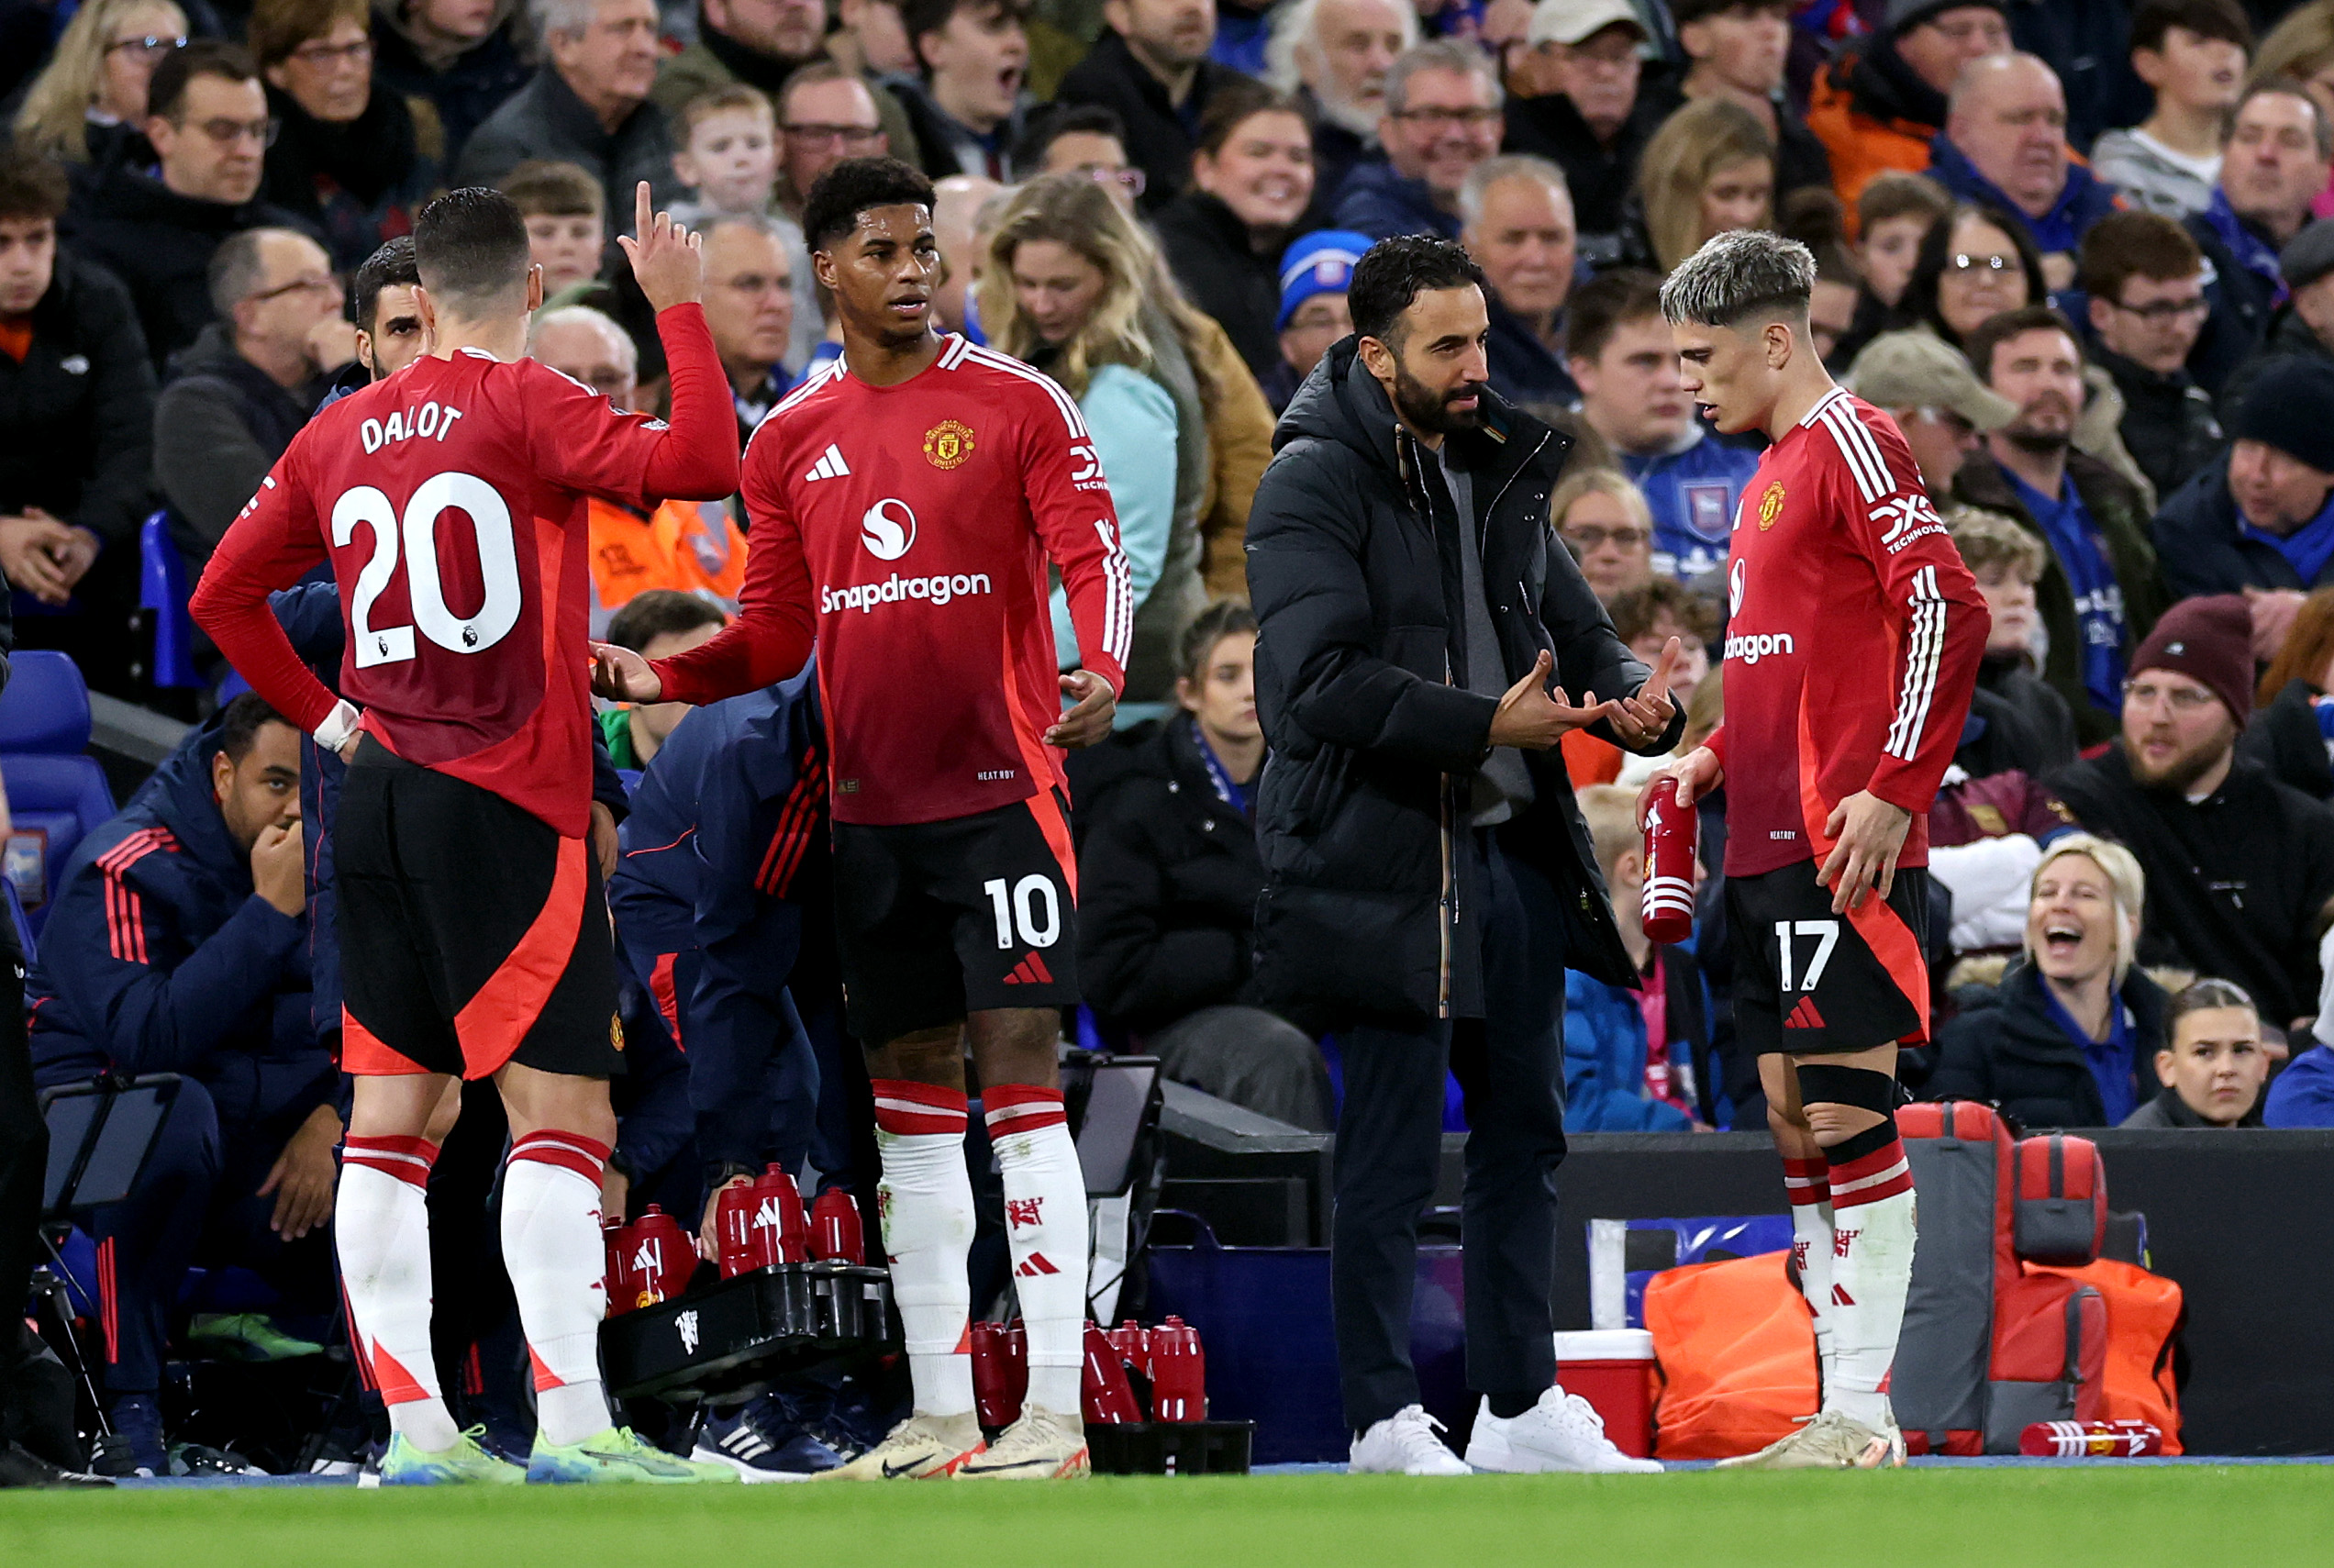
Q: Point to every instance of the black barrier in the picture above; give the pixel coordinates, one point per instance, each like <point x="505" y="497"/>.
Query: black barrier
<point x="2243" y="1220"/>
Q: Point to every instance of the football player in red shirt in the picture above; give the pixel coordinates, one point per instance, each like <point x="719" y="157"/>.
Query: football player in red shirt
<point x="1852" y="644"/>
<point x="908" y="499"/>
<point x="451" y="501"/>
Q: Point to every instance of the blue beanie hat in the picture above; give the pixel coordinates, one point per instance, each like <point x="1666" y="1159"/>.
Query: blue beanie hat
<point x="1319" y="262"/>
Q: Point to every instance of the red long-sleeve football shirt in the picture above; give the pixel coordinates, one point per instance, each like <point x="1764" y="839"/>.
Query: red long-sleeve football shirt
<point x="911" y="525"/>
<point x="1853" y="637"/>
<point x="453" y="499"/>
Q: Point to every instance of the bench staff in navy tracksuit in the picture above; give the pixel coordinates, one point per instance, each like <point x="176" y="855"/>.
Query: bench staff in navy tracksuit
<point x="178" y="943"/>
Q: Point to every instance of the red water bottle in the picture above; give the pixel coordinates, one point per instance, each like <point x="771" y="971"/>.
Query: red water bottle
<point x="781" y="1209"/>
<point x="834" y="1228"/>
<point x="617" y="1277"/>
<point x="2090" y="1439"/>
<point x="1178" y="1373"/>
<point x="658" y="1257"/>
<point x="1133" y="1344"/>
<point x="1667" y="899"/>
<point x="1105" y="1393"/>
<point x="999" y="1385"/>
<point x="744" y="1245"/>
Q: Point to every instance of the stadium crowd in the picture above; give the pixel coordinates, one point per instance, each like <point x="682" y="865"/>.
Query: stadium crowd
<point x="2080" y="249"/>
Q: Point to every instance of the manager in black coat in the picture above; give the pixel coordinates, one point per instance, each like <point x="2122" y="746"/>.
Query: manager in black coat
<point x="1428" y="875"/>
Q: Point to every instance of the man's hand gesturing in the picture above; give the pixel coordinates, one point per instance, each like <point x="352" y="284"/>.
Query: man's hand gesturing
<point x="1533" y="718"/>
<point x="667" y="259"/>
<point x="618" y="674"/>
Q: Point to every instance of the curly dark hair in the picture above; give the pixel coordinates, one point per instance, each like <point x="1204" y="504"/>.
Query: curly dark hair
<point x="1394" y="273"/>
<point x="851" y="187"/>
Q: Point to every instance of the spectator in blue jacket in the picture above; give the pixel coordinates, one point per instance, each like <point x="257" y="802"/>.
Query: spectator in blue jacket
<point x="2261" y="515"/>
<point x="1614" y="1080"/>
<point x="178" y="944"/>
<point x="1442" y="102"/>
<point x="2004" y="145"/>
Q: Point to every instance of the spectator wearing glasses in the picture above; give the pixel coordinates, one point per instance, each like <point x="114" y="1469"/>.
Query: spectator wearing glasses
<point x="750" y="306"/>
<point x="2262" y="518"/>
<point x="238" y="397"/>
<point x="1441" y="120"/>
<point x="210" y="128"/>
<point x="1519" y="229"/>
<point x="1603" y="520"/>
<point x="1251" y="181"/>
<point x="826" y="114"/>
<point x="2101" y="591"/>
<point x="1974" y="263"/>
<point x="1152" y="69"/>
<point x="1591" y="121"/>
<point x="588" y="105"/>
<point x="1082" y="139"/>
<point x="2192" y="54"/>
<point x="90" y="96"/>
<point x="2214" y="1066"/>
<point x="456" y="55"/>
<point x="765" y="44"/>
<point x="1333" y="55"/>
<point x="2240" y="867"/>
<point x="346" y="156"/>
<point x="688" y="548"/>
<point x="2145" y="280"/>
<point x="964" y="104"/>
<point x="1882" y="100"/>
<point x="1313" y="314"/>
<point x="77" y="429"/>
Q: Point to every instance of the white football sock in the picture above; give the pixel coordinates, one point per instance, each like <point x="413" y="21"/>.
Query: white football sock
<point x="558" y="1266"/>
<point x="1806" y="1184"/>
<point x="381" y="1228"/>
<point x="1873" y="1225"/>
<point x="1045" y="1222"/>
<point x="926" y="1199"/>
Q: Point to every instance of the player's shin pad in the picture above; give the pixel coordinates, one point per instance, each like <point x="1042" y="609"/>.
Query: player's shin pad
<point x="552" y="1248"/>
<point x="1045" y="1212"/>
<point x="381" y="1227"/>
<point x="925" y="1200"/>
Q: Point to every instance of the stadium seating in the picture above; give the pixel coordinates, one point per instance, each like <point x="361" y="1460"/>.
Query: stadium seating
<point x="161" y="590"/>
<point x="54" y="788"/>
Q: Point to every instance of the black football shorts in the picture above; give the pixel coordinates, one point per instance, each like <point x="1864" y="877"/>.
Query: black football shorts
<point x="471" y="933"/>
<point x="936" y="919"/>
<point x="1809" y="982"/>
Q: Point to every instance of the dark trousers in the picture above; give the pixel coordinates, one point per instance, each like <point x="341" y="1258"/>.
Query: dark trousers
<point x="24" y="1154"/>
<point x="198" y="1196"/>
<point x="1510" y="1063"/>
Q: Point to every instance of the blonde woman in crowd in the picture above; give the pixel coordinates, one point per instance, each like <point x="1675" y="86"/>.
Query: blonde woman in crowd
<point x="92" y="93"/>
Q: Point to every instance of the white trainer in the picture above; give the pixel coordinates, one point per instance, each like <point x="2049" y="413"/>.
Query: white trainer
<point x="1405" y="1444"/>
<point x="1563" y="1433"/>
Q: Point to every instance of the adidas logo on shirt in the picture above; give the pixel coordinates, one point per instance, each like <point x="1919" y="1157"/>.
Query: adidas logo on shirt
<point x="830" y="465"/>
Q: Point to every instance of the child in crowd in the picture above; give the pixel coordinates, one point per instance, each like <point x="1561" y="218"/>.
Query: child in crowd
<point x="2193" y="53"/>
<point x="2213" y="1066"/>
<point x="566" y="222"/>
<point x="728" y="158"/>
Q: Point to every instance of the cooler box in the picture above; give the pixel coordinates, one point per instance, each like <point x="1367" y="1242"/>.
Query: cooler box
<point x="1613" y="1370"/>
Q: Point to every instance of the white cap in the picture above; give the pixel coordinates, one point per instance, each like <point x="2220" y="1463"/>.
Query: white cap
<point x="1570" y="22"/>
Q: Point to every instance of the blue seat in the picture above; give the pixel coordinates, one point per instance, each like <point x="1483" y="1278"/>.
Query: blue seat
<point x="161" y="588"/>
<point x="54" y="787"/>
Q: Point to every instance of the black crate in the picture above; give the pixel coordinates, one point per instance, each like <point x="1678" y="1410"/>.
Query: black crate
<point x="737" y="1336"/>
<point x="1170" y="1448"/>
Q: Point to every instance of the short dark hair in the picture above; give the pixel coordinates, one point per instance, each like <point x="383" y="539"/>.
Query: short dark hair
<point x="2124" y="245"/>
<point x="2284" y="86"/>
<point x="1682" y="12"/>
<point x="920" y="16"/>
<point x="1994" y="330"/>
<point x="1392" y="272"/>
<point x="1028" y="155"/>
<point x="392" y="264"/>
<point x="1238" y="99"/>
<point x="166" y="91"/>
<point x="1918" y="305"/>
<point x="1225" y="617"/>
<point x="1598" y="308"/>
<point x="32" y="184"/>
<point x="2222" y="19"/>
<point x="278" y="28"/>
<point x="660" y="612"/>
<point x="240" y="724"/>
<point x="851" y="187"/>
<point x="470" y="245"/>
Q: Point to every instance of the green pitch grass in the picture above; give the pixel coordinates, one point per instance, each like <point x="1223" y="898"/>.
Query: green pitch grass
<point x="2196" y="1517"/>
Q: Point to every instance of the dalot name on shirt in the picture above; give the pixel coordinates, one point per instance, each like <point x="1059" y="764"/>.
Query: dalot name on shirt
<point x="431" y="421"/>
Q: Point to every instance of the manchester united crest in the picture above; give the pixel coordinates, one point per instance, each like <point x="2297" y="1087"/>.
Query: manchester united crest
<point x="948" y="443"/>
<point x="1770" y="507"/>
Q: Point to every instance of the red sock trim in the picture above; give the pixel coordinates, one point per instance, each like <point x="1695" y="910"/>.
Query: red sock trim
<point x="397" y="1384"/>
<point x="587" y="1157"/>
<point x="407" y="1158"/>
<point x="1021" y="1107"/>
<point x="910" y="1109"/>
<point x="544" y="1377"/>
<point x="1806" y="1181"/>
<point x="1882" y="1173"/>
